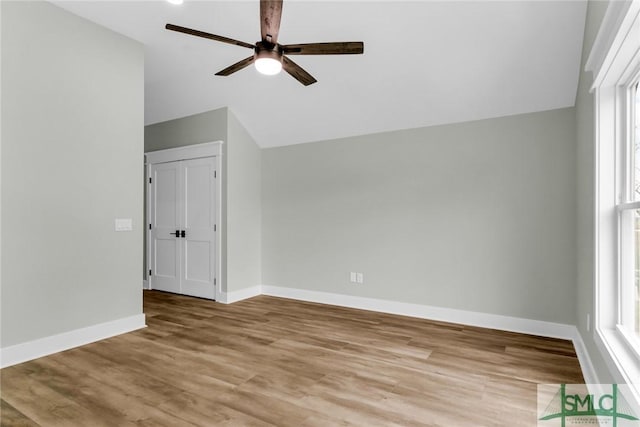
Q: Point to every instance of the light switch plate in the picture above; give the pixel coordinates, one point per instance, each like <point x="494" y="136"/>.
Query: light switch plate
<point x="124" y="224"/>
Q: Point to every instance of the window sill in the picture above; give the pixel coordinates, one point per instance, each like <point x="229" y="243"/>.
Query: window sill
<point x="622" y="359"/>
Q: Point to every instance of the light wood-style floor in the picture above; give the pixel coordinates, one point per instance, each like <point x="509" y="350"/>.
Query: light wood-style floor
<point x="269" y="361"/>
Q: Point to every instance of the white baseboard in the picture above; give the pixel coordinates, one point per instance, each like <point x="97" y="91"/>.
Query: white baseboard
<point x="145" y="284"/>
<point x="588" y="371"/>
<point x="235" y="296"/>
<point x="470" y="318"/>
<point x="31" y="350"/>
<point x="24" y="352"/>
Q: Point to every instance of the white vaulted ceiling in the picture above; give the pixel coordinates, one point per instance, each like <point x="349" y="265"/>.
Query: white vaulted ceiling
<point x="425" y="63"/>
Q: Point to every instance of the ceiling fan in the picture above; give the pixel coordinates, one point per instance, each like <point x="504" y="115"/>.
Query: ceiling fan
<point x="269" y="55"/>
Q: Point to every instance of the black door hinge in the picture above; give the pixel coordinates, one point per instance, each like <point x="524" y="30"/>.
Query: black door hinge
<point x="150" y="180"/>
<point x="149" y="226"/>
<point x="149" y="272"/>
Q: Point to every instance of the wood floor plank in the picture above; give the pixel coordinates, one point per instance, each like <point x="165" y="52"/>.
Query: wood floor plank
<point x="10" y="416"/>
<point x="270" y="361"/>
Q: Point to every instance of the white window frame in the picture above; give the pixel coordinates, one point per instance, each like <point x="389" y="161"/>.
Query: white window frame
<point x="625" y="207"/>
<point x="615" y="60"/>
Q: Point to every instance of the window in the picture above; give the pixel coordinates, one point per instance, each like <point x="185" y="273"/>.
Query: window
<point x="616" y="56"/>
<point x="636" y="136"/>
<point x="629" y="215"/>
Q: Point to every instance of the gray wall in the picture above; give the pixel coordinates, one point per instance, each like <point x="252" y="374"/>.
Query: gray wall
<point x="474" y="216"/>
<point x="72" y="142"/>
<point x="585" y="152"/>
<point x="241" y="233"/>
<point x="244" y="233"/>
<point x="196" y="129"/>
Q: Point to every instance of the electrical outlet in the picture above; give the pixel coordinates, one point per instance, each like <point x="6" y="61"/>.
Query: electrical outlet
<point x="359" y="278"/>
<point x="352" y="277"/>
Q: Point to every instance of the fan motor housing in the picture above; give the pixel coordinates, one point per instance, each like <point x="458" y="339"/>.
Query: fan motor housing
<point x="268" y="50"/>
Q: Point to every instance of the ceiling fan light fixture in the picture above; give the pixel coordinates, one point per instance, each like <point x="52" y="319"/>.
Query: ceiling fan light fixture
<point x="269" y="55"/>
<point x="268" y="58"/>
<point x="268" y="66"/>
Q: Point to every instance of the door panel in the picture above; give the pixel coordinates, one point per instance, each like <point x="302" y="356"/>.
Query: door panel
<point x="165" y="201"/>
<point x="197" y="256"/>
<point x="198" y="261"/>
<point x="166" y="254"/>
<point x="167" y="209"/>
<point x="199" y="192"/>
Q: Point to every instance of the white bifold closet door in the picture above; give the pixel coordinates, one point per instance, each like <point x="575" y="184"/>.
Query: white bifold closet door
<point x="183" y="227"/>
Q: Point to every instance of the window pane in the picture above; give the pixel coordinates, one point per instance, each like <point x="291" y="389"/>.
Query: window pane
<point x="635" y="293"/>
<point x="636" y="143"/>
<point x="630" y="271"/>
<point x="635" y="158"/>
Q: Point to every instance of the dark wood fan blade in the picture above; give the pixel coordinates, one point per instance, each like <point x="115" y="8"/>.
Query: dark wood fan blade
<point x="270" y="14"/>
<point x="236" y="67"/>
<point x="208" y="36"/>
<point x="337" y="48"/>
<point x="297" y="72"/>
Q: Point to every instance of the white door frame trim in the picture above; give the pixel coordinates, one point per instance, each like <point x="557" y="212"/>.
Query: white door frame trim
<point x="207" y="149"/>
<point x="188" y="152"/>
